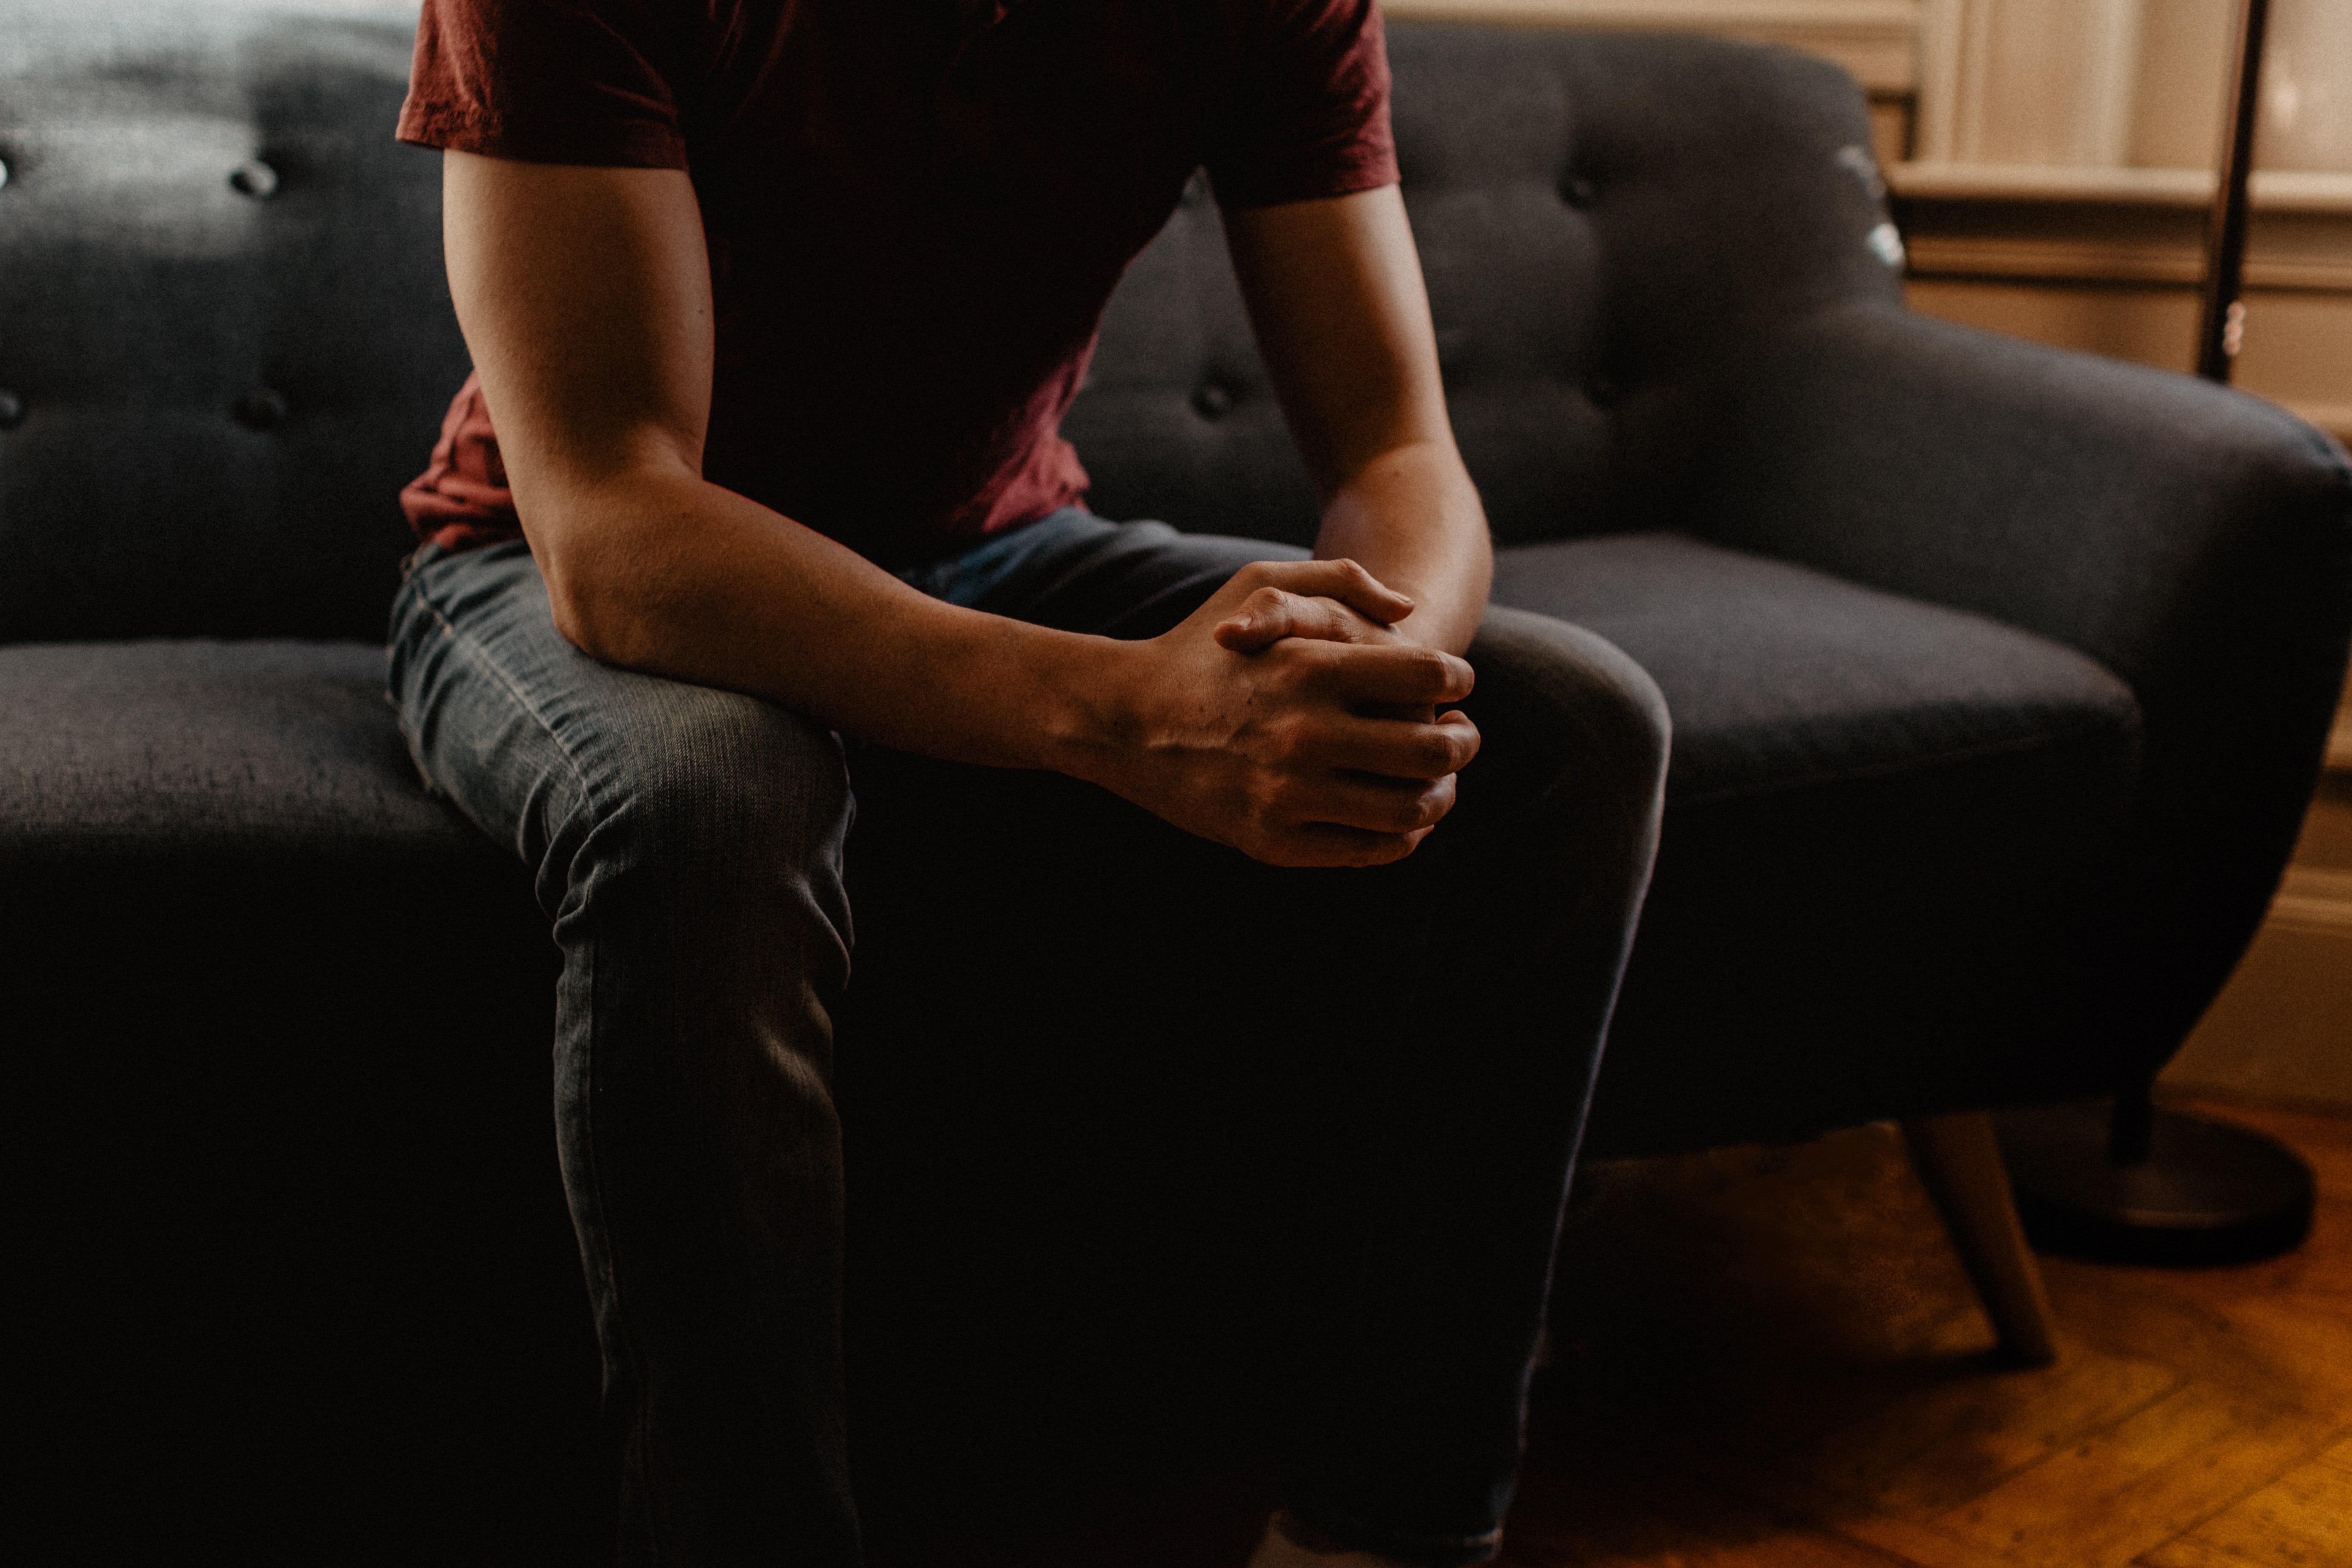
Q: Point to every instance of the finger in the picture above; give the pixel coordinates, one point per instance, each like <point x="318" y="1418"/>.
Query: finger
<point x="1342" y="579"/>
<point x="1422" y="677"/>
<point x="1464" y="732"/>
<point x="1331" y="844"/>
<point x="1374" y="804"/>
<point x="1392" y="748"/>
<point x="1269" y="615"/>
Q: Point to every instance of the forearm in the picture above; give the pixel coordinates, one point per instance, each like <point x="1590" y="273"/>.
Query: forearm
<point x="584" y="293"/>
<point x="1289" y="753"/>
<point x="1412" y="518"/>
<point x="666" y="574"/>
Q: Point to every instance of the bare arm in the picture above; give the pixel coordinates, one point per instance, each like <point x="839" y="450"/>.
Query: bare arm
<point x="585" y="298"/>
<point x="1334" y="294"/>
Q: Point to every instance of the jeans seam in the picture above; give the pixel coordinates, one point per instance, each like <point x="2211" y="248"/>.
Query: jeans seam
<point x="584" y="797"/>
<point x="473" y="653"/>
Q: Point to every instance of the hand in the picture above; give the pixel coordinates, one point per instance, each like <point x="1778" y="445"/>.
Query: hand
<point x="1297" y="749"/>
<point x="1271" y="613"/>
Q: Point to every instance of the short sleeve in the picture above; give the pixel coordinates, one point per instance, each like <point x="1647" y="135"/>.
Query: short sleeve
<point x="549" y="81"/>
<point x="1309" y="115"/>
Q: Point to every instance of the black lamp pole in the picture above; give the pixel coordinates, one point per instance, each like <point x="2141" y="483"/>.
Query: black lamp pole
<point x="2127" y="1181"/>
<point x="2223" y="316"/>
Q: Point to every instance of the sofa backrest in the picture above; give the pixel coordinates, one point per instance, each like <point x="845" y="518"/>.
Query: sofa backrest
<point x="226" y="339"/>
<point x="1607" y="222"/>
<point x="223" y="318"/>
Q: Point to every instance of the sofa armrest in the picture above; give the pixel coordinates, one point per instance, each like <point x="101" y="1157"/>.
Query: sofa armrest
<point x="2195" y="540"/>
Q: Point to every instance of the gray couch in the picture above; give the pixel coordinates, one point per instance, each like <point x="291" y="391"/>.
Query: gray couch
<point x="1998" y="675"/>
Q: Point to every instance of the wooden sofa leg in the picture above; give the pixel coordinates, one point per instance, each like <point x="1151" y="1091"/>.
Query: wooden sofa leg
<point x="1959" y="1164"/>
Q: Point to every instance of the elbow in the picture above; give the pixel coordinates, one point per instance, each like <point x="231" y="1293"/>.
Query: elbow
<point x="599" y="624"/>
<point x="574" y="624"/>
<point x="592" y="608"/>
<point x="614" y="581"/>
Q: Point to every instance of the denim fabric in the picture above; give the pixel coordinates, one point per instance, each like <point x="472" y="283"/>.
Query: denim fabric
<point x="687" y="844"/>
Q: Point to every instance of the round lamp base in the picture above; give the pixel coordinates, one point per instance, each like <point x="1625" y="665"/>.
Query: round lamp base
<point x="2208" y="1192"/>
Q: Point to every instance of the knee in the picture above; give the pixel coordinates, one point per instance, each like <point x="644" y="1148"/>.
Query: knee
<point x="1575" y="710"/>
<point x="705" y="799"/>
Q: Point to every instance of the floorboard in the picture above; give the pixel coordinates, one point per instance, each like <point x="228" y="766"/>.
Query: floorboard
<point x="1769" y="1358"/>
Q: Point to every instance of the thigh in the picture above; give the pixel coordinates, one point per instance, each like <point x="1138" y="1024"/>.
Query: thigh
<point x="549" y="751"/>
<point x="1080" y="572"/>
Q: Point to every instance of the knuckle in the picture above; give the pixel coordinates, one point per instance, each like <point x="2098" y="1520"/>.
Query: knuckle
<point x="1263" y="805"/>
<point x="1430" y="671"/>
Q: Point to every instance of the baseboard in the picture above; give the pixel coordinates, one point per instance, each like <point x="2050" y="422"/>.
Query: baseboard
<point x="2281" y="1032"/>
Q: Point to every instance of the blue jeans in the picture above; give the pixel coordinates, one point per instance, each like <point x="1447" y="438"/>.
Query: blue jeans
<point x="687" y="844"/>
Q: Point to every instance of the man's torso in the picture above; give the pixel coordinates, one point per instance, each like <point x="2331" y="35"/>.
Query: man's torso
<point x="915" y="212"/>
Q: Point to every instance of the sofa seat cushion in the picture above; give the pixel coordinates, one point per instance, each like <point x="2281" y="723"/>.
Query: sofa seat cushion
<point x="181" y="749"/>
<point x="1886" y="825"/>
<point x="1781" y="678"/>
<point x="275" y="1023"/>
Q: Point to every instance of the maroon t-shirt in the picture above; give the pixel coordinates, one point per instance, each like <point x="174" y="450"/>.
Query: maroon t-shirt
<point x="914" y="209"/>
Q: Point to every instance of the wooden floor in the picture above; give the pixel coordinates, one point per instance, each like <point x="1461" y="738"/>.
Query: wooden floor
<point x="1775" y="1363"/>
<point x="1770" y="1358"/>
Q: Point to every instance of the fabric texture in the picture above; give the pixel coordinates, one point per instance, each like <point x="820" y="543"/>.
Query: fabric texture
<point x="220" y="387"/>
<point x="2196" y="541"/>
<point x="1595" y="253"/>
<point x="979" y="174"/>
<point x="260" y="751"/>
<point x="1783" y="679"/>
<point x="1891" y="823"/>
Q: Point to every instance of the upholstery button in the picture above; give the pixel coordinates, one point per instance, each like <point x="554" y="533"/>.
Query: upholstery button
<point x="11" y="410"/>
<point x="1579" y="192"/>
<point x="3" y="173"/>
<point x="1603" y="390"/>
<point x="263" y="408"/>
<point x="255" y="179"/>
<point x="1213" y="401"/>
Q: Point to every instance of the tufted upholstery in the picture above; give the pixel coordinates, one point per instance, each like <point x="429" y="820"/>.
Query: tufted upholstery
<point x="261" y="336"/>
<point x="1591" y="247"/>
<point x="2000" y="677"/>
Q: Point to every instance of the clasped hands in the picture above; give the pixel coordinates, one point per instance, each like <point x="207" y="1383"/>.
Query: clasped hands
<point x="1290" y="718"/>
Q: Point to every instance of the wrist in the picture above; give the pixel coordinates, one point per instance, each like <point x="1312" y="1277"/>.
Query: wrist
<point x="1082" y="712"/>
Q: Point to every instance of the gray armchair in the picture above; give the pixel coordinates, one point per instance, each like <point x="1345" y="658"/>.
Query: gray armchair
<point x="2000" y="677"/>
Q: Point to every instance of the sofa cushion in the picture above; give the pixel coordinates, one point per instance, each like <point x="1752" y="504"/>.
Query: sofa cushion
<point x="1888" y="824"/>
<point x="1783" y="679"/>
<point x="226" y="335"/>
<point x="187" y="749"/>
<point x="1596" y="255"/>
<point x="280" y="1167"/>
